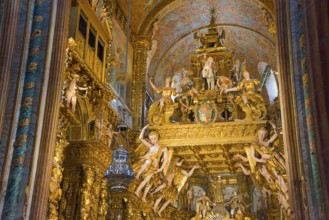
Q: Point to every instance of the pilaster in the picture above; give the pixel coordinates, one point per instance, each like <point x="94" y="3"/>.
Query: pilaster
<point x="7" y="45"/>
<point x="289" y="113"/>
<point x="315" y="78"/>
<point x="138" y="95"/>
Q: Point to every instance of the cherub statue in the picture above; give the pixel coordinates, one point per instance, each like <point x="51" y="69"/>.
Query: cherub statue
<point x="71" y="97"/>
<point x="267" y="150"/>
<point x="223" y="83"/>
<point x="262" y="135"/>
<point x="208" y="74"/>
<point x="175" y="180"/>
<point x="148" y="164"/>
<point x="71" y="92"/>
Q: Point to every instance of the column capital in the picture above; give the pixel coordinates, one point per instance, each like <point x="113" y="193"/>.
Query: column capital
<point x="142" y="42"/>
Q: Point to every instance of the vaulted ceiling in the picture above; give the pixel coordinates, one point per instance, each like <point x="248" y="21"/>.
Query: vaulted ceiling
<point x="246" y="24"/>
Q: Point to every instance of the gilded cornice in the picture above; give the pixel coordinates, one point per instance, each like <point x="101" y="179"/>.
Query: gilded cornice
<point x="88" y="152"/>
<point x="178" y="135"/>
<point x="213" y="146"/>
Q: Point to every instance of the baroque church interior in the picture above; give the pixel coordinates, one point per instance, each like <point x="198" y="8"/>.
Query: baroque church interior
<point x="164" y="109"/>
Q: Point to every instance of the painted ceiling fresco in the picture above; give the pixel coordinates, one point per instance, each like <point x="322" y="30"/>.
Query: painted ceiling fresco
<point x="139" y="10"/>
<point x="171" y="24"/>
<point x="144" y="11"/>
<point x="237" y="40"/>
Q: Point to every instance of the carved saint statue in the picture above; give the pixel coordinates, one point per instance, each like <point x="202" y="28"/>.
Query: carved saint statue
<point x="166" y="92"/>
<point x="110" y="135"/>
<point x="221" y="36"/>
<point x="99" y="124"/>
<point x="208" y="73"/>
<point x="216" y="188"/>
<point x="203" y="205"/>
<point x="251" y="102"/>
<point x="190" y="196"/>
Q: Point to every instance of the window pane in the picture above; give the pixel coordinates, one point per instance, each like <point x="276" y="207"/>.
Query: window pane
<point x="83" y="24"/>
<point x="100" y="50"/>
<point x="92" y="38"/>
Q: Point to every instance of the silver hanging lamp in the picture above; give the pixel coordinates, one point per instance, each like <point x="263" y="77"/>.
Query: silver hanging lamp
<point x="119" y="173"/>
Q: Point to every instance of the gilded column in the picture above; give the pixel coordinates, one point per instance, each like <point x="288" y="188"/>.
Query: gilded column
<point x="68" y="202"/>
<point x="86" y="192"/>
<point x="103" y="203"/>
<point x="48" y="138"/>
<point x="139" y="79"/>
<point x="7" y="45"/>
<point x="95" y="192"/>
<point x="84" y="187"/>
<point x="57" y="171"/>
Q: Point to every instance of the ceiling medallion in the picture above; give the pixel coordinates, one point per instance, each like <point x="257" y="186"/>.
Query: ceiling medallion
<point x="206" y="113"/>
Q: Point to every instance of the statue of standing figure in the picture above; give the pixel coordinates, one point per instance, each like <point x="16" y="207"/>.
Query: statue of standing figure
<point x="208" y="73"/>
<point x="99" y="124"/>
<point x="166" y="92"/>
<point x="216" y="188"/>
<point x="249" y="100"/>
<point x="190" y="197"/>
<point x="221" y="36"/>
<point x="203" y="205"/>
<point x="110" y="135"/>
